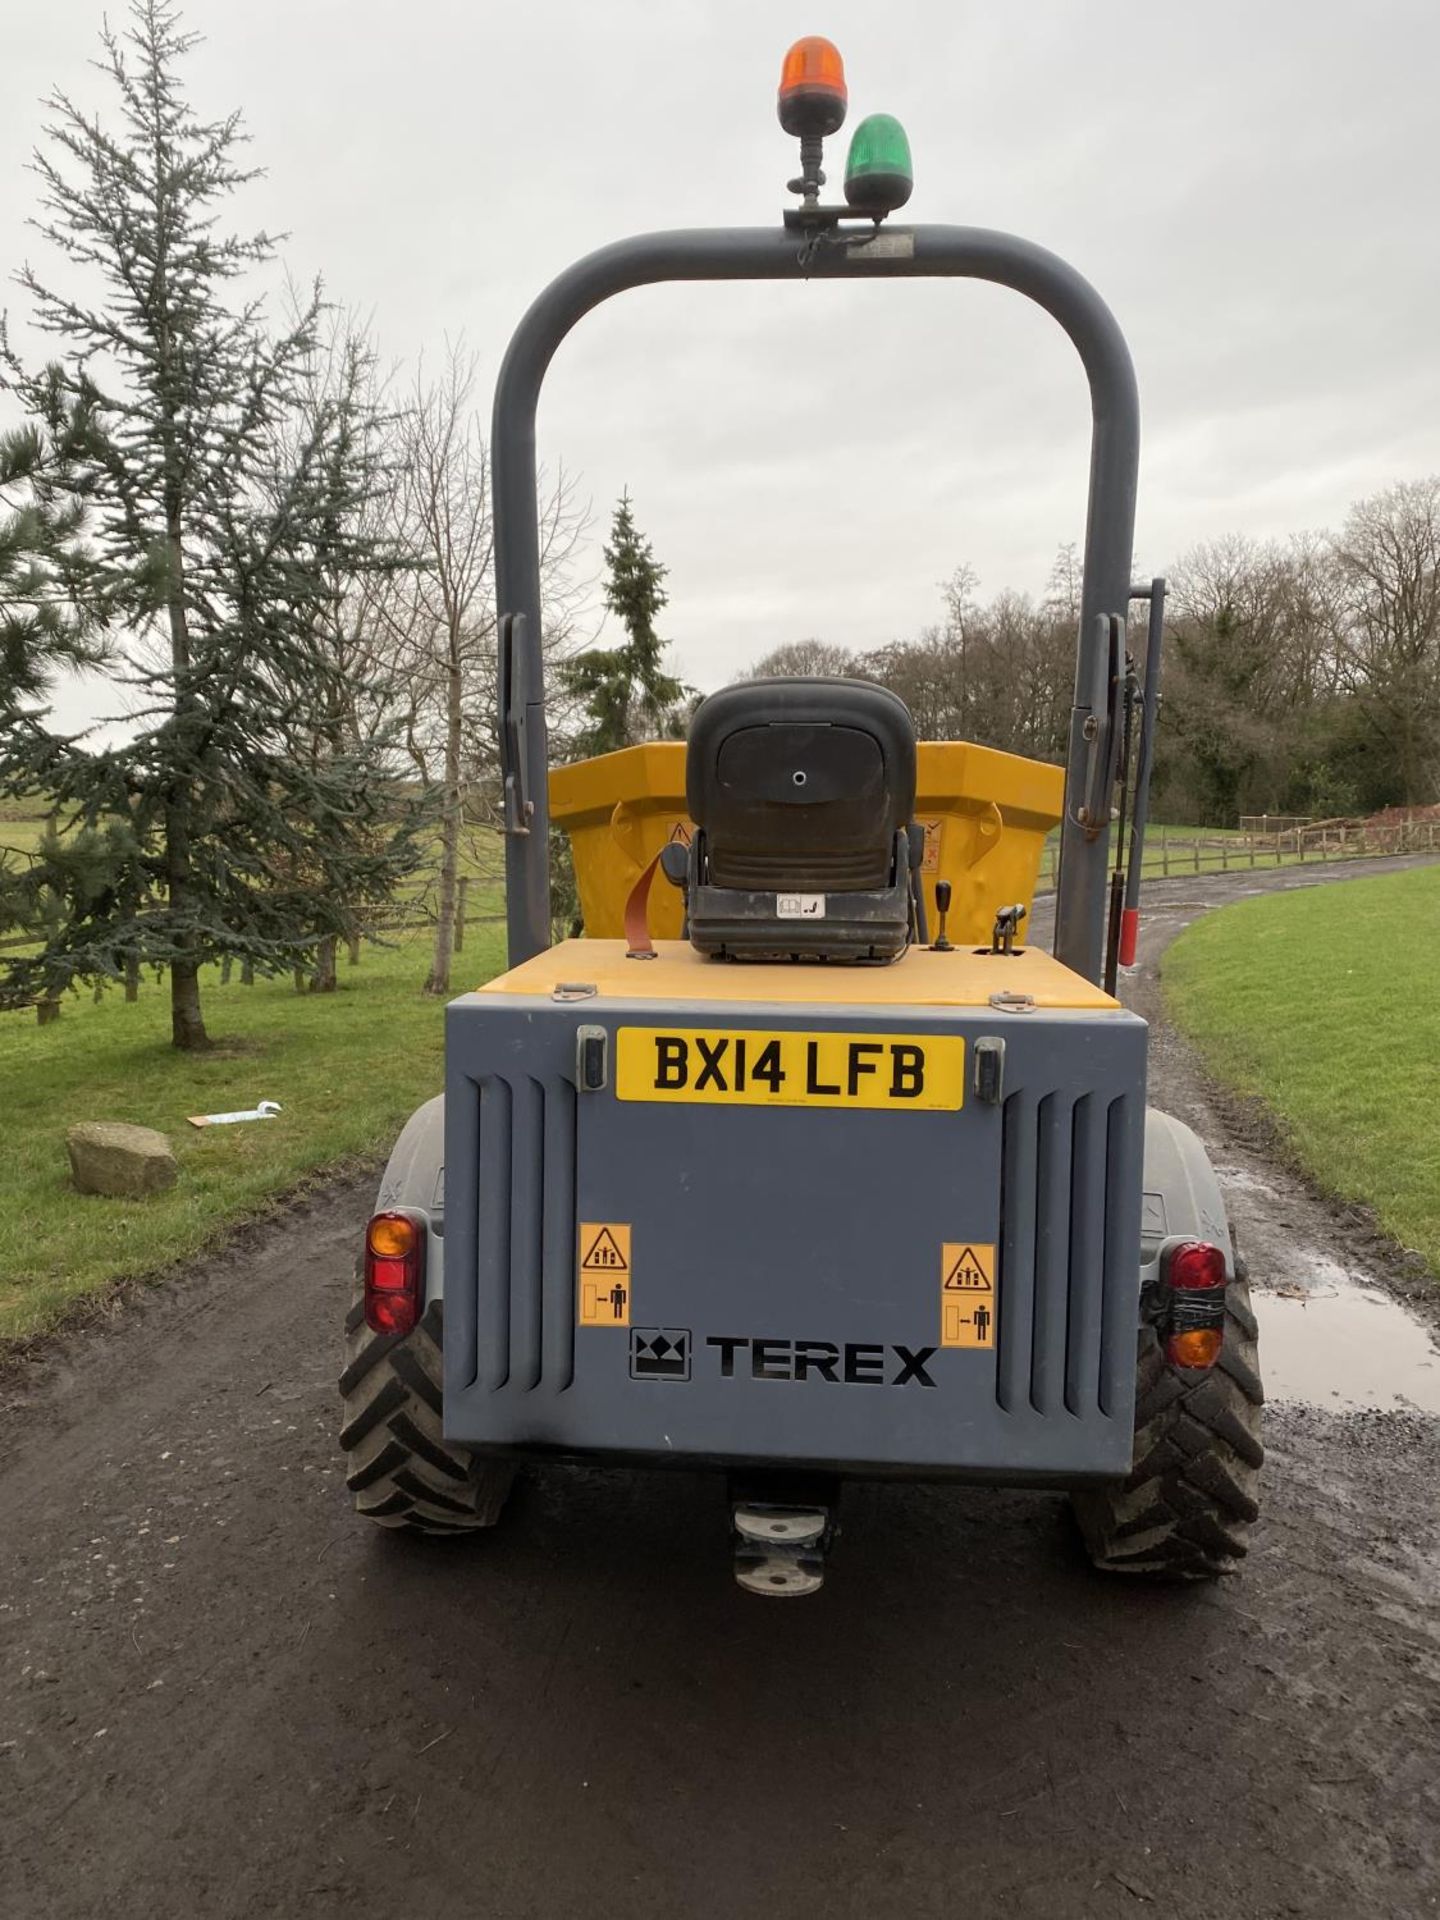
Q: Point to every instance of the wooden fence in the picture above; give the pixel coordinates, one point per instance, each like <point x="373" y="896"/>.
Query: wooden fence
<point x="1167" y="856"/>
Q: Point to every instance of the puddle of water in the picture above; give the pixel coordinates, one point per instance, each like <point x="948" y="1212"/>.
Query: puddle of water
<point x="1344" y="1345"/>
<point x="1240" y="1180"/>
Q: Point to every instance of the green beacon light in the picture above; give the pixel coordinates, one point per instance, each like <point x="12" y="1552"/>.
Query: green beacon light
<point x="878" y="173"/>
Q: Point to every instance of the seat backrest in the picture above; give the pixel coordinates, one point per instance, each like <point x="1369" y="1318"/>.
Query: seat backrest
<point x="801" y="783"/>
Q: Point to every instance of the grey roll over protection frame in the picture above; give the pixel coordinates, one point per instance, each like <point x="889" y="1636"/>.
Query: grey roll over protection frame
<point x="766" y="253"/>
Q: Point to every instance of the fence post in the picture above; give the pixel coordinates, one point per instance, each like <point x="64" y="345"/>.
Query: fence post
<point x="1195" y="849"/>
<point x="1165" y="855"/>
<point x="462" y="888"/>
<point x="1225" y="856"/>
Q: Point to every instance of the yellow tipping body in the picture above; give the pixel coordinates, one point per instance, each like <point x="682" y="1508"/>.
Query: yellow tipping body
<point x="986" y="816"/>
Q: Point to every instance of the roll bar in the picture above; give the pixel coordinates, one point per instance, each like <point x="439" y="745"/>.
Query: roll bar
<point x="766" y="253"/>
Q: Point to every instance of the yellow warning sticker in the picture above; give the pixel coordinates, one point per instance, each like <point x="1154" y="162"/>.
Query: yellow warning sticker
<point x="604" y="1273"/>
<point x="931" y="861"/>
<point x="967" y="1293"/>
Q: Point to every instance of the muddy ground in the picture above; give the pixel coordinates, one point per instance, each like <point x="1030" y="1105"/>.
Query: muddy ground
<point x="220" y="1696"/>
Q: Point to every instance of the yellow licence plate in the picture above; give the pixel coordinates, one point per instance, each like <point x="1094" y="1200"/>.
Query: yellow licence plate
<point x="905" y="1072"/>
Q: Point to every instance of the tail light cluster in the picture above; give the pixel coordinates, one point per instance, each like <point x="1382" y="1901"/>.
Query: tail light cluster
<point x="1194" y="1276"/>
<point x="394" y="1271"/>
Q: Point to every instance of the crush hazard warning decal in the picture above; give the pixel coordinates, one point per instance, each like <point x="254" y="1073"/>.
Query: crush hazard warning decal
<point x="931" y="861"/>
<point x="901" y="1072"/>
<point x="967" y="1293"/>
<point x="604" y="1273"/>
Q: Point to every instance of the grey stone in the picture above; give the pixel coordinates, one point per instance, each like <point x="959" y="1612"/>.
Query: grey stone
<point x="109" y="1156"/>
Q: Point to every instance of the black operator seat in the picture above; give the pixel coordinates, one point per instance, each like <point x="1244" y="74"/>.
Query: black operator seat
<point x="802" y="792"/>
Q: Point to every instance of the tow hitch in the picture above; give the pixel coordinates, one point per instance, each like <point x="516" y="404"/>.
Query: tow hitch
<point x="780" y="1543"/>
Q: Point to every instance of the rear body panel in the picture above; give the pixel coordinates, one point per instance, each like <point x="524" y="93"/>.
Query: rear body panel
<point x="771" y="1287"/>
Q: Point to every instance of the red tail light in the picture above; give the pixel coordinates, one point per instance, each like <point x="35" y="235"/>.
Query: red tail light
<point x="1195" y="1264"/>
<point x="394" y="1272"/>
<point x="1195" y="1323"/>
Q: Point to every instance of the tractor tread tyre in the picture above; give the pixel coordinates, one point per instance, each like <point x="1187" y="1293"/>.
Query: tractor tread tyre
<point x="401" y="1470"/>
<point x="1186" y="1511"/>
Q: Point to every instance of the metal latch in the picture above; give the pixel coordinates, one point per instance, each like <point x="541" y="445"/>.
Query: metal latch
<point x="592" y="1059"/>
<point x="990" y="1071"/>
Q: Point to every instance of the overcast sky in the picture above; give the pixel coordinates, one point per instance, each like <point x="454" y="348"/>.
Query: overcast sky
<point x="1252" y="187"/>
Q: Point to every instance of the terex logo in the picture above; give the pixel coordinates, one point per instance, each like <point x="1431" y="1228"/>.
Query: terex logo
<point x="856" y="1364"/>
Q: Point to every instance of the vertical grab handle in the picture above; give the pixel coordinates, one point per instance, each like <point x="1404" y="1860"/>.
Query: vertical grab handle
<point x="1149" y="714"/>
<point x="1103" y="758"/>
<point x="510" y="650"/>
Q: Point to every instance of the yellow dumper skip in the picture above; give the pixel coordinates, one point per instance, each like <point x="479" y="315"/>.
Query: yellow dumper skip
<point x="986" y="817"/>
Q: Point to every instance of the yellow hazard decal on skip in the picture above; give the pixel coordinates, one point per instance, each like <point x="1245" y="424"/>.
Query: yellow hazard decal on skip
<point x="967" y="1293"/>
<point x="604" y="1273"/>
<point x="901" y="1072"/>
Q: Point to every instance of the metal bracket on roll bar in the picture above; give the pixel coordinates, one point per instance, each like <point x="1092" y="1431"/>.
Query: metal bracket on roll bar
<point x="1103" y="758"/>
<point x="510" y="649"/>
<point x="1149" y="717"/>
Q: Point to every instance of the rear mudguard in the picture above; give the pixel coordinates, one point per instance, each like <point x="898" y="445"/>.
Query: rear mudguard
<point x="1182" y="1197"/>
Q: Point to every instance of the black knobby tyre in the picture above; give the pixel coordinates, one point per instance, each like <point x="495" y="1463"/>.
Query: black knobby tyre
<point x="401" y="1470"/>
<point x="1186" y="1511"/>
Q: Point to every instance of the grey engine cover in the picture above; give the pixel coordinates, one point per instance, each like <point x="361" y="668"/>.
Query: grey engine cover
<point x="764" y="1240"/>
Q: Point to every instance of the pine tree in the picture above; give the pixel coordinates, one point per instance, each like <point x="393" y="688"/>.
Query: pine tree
<point x="42" y="627"/>
<point x="44" y="630"/>
<point x="219" y="828"/>
<point x="625" y="692"/>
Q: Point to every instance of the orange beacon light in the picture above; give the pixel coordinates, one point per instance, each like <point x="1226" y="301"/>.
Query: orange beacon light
<point x="812" y="98"/>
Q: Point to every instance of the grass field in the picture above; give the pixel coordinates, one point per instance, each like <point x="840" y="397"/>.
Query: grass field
<point x="346" y="1067"/>
<point x="1324" y="1005"/>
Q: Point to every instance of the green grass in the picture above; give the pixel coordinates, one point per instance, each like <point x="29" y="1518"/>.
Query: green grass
<point x="346" y="1067"/>
<point x="1323" y="1005"/>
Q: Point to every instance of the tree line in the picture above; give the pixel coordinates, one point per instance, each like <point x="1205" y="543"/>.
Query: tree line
<point x="1300" y="676"/>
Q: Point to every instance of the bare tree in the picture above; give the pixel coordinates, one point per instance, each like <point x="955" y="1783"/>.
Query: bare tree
<point x="804" y="660"/>
<point x="1388" y="557"/>
<point x="432" y="626"/>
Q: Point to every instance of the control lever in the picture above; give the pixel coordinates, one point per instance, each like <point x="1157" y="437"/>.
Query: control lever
<point x="1007" y="925"/>
<point x="942" y="906"/>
